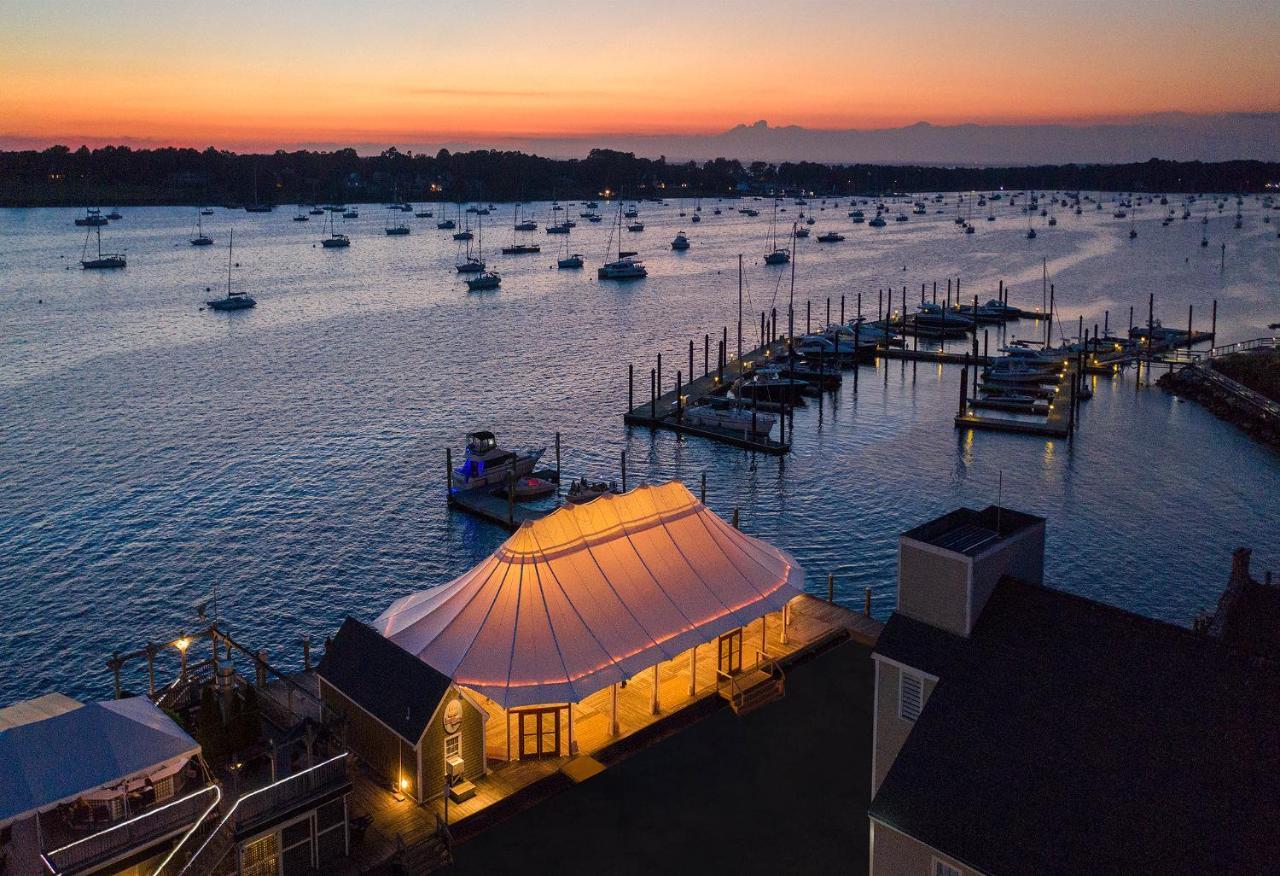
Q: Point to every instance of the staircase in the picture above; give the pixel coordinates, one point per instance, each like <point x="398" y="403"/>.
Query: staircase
<point x="427" y="855"/>
<point x="752" y="688"/>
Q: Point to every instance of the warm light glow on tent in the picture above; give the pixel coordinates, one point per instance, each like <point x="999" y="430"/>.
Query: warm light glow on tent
<point x="591" y="595"/>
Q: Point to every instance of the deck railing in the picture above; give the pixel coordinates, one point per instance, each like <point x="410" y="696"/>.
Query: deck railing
<point x="332" y="773"/>
<point x="152" y="825"/>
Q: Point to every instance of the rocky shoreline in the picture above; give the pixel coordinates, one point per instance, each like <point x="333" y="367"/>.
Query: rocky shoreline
<point x="1197" y="384"/>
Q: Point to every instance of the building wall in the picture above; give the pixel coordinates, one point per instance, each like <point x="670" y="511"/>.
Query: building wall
<point x="890" y="731"/>
<point x="373" y="741"/>
<point x="895" y="854"/>
<point x="432" y="746"/>
<point x="933" y="587"/>
<point x="1021" y="556"/>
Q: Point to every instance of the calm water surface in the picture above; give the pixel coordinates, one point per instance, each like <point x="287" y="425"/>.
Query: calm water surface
<point x="293" y="455"/>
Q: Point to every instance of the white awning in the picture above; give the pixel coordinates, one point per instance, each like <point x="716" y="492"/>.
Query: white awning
<point x="591" y="595"/>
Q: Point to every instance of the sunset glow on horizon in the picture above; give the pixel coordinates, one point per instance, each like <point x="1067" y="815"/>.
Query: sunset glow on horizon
<point x="295" y="73"/>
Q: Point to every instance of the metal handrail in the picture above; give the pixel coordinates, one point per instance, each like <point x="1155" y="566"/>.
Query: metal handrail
<point x="149" y="825"/>
<point x="275" y="793"/>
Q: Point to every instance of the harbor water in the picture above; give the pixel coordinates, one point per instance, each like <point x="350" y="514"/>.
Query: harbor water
<point x="292" y="457"/>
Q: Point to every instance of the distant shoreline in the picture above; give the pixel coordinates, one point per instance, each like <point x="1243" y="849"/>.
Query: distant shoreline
<point x="120" y="176"/>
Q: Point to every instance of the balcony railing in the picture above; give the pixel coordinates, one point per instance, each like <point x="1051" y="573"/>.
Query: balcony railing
<point x="151" y="826"/>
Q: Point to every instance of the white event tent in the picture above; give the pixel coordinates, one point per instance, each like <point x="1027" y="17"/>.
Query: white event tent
<point x="591" y="595"/>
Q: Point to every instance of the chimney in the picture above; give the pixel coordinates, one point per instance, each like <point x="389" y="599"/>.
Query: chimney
<point x="1239" y="567"/>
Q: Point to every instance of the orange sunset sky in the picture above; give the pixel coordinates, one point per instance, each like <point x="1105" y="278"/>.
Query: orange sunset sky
<point x="271" y="74"/>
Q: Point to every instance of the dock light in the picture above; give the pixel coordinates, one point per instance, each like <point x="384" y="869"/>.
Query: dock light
<point x="182" y="644"/>
<point x="404" y="783"/>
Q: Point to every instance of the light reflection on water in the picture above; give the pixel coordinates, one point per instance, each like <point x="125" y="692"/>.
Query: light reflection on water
<point x="294" y="454"/>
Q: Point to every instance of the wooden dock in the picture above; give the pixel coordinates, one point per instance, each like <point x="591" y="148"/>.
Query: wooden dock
<point x="498" y="509"/>
<point x="664" y="411"/>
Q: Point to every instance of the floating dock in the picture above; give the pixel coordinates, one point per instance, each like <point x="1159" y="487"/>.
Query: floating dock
<point x="499" y="509"/>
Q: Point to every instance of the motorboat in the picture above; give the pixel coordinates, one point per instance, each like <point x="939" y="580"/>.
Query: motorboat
<point x="470" y="265"/>
<point x="730" y="415"/>
<point x="857" y="216"/>
<point x="624" y="268"/>
<point x="485" y="463"/>
<point x="779" y="256"/>
<point x="931" y="314"/>
<point x="767" y="384"/>
<point x="636" y="226"/>
<point x="991" y="312"/>
<point x="91" y="219"/>
<point x="529" y="487"/>
<point x="446" y="224"/>
<point x="830" y="237"/>
<point x="464" y="234"/>
<point x="1012" y="371"/>
<point x="424" y="214"/>
<point x="521" y="249"/>
<point x="582" y="490"/>
<point x="801" y="231"/>
<point x="878" y="222"/>
<point x="680" y="241"/>
<point x="570" y="261"/>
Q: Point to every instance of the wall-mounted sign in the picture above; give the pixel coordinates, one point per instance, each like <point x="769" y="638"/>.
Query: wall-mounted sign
<point x="452" y="716"/>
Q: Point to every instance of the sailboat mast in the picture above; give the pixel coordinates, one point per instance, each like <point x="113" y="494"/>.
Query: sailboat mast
<point x="231" y="240"/>
<point x="739" y="307"/>
<point x="791" y="304"/>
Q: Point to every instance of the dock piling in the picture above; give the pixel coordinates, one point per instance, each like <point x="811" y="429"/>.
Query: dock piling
<point x="653" y="394"/>
<point x="866" y="604"/>
<point x="679" y="402"/>
<point x="624" y="471"/>
<point x="1213" y="325"/>
<point x="690" y="371"/>
<point x="631" y="386"/>
<point x="702" y="497"/>
<point x="831" y="588"/>
<point x="964" y="386"/>
<point x="557" y="463"/>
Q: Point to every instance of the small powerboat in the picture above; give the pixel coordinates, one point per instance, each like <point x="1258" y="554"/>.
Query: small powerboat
<point x="486" y="463"/>
<point x="582" y="491"/>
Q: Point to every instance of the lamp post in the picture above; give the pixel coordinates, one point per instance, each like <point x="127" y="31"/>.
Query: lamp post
<point x="182" y="643"/>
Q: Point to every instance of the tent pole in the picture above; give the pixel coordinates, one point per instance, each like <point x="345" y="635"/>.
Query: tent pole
<point x="693" y="670"/>
<point x="506" y="724"/>
<point x="653" y="697"/>
<point x="763" y="630"/>
<point x="572" y="750"/>
<point x="786" y="619"/>
<point x="613" y="711"/>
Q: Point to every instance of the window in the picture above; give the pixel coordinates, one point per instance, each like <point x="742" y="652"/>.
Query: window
<point x="942" y="868"/>
<point x="910" y="696"/>
<point x="453" y="746"/>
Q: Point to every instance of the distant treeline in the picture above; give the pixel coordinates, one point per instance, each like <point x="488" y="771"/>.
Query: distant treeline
<point x="119" y="176"/>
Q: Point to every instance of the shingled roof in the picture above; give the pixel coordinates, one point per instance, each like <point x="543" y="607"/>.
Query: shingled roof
<point x="1070" y="736"/>
<point x="383" y="679"/>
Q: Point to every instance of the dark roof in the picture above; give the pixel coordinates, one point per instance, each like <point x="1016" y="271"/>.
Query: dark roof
<point x="918" y="644"/>
<point x="969" y="532"/>
<point x="382" y="678"/>
<point x="1070" y="736"/>
<point x="1252" y="622"/>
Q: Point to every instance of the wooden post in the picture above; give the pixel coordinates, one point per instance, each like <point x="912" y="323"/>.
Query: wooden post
<point x="659" y="374"/>
<point x="764" y="641"/>
<point x="613" y="711"/>
<point x="679" y="403"/>
<point x="831" y="587"/>
<point x="706" y="355"/>
<point x="511" y="498"/>
<point x="653" y="394"/>
<point x="828" y="322"/>
<point x="964" y="385"/>
<point x="808" y="316"/>
<point x="842" y="310"/>
<point x="693" y="670"/>
<point x="866" y="605"/>
<point x="1151" y="330"/>
<point x="1213" y="325"/>
<point x="786" y="620"/>
<point x="631" y="386"/>
<point x="690" y="371"/>
<point x="880" y="318"/>
<point x="720" y="364"/>
<point x="624" y="471"/>
<point x="506" y="721"/>
<point x="653" y="697"/>
<point x="859" y="305"/>
<point x="703" y="491"/>
<point x="557" y="463"/>
<point x="935" y="291"/>
<point x="735" y="519"/>
<point x="1190" y="312"/>
<point x="448" y="472"/>
<point x="762" y="341"/>
<point x="985" y="347"/>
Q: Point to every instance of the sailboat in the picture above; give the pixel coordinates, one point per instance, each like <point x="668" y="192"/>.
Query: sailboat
<point x="465" y="233"/>
<point x="485" y="279"/>
<point x="92" y="218"/>
<point x="300" y="216"/>
<point x="523" y="222"/>
<point x="558" y="226"/>
<point x="335" y="240"/>
<point x="472" y="264"/>
<point x="777" y="255"/>
<point x="395" y="227"/>
<point x="236" y="300"/>
<point x="200" y="239"/>
<point x="104" y="259"/>
<point x="624" y="267"/>
<point x="567" y="259"/>
<point x="256" y="207"/>
<point x="517" y="247"/>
